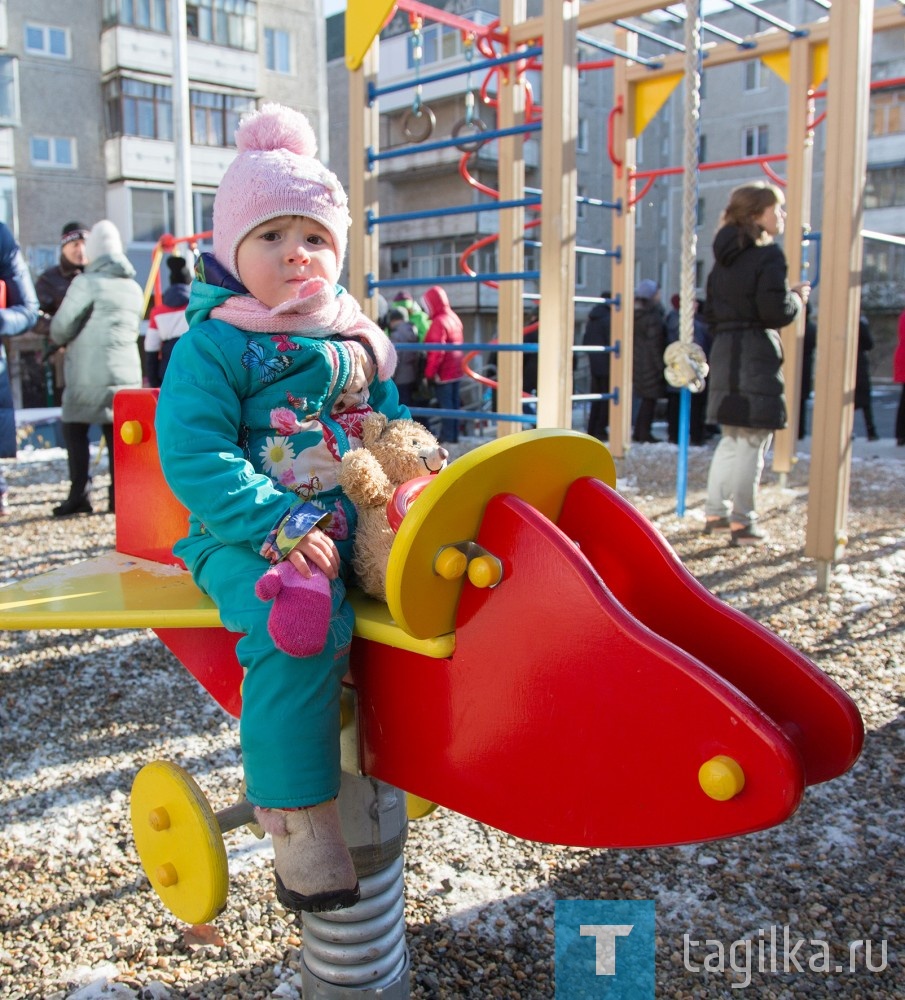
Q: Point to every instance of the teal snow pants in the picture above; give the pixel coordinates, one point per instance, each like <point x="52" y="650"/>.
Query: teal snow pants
<point x="289" y="727"/>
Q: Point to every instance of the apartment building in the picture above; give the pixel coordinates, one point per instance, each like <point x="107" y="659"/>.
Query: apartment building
<point x="90" y="101"/>
<point x="89" y="104"/>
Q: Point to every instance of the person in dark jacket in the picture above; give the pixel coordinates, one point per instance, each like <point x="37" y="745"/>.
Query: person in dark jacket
<point x="167" y="322"/>
<point x="597" y="334"/>
<point x="417" y="316"/>
<point x="748" y="301"/>
<point x="51" y="287"/>
<point x="808" y="349"/>
<point x="18" y="313"/>
<point x="98" y="322"/>
<point x="863" y="385"/>
<point x="410" y="363"/>
<point x="444" y="368"/>
<point x="649" y="339"/>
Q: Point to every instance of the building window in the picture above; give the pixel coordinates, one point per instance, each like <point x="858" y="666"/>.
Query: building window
<point x="152" y="214"/>
<point x="9" y="91"/>
<point x="702" y="148"/>
<point x="278" y="51"/>
<point x="203" y="211"/>
<point x="699" y="213"/>
<point x="137" y="108"/>
<point x="8" y="201"/>
<point x="53" y="151"/>
<point x="885" y="187"/>
<point x="581" y="271"/>
<point x="882" y="262"/>
<point x="431" y="259"/>
<point x="224" y="22"/>
<point x="438" y="42"/>
<point x="150" y="14"/>
<point x="43" y="40"/>
<point x="581" y="207"/>
<point x="887" y="112"/>
<point x="752" y="70"/>
<point x="581" y="144"/>
<point x="216" y="116"/>
<point x="755" y="140"/>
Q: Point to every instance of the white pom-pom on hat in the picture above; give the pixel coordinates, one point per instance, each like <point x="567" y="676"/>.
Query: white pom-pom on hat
<point x="276" y="173"/>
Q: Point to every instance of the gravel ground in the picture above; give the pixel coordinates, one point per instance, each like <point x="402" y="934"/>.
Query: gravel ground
<point x="81" y="712"/>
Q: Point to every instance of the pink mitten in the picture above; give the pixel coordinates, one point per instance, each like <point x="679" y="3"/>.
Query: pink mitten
<point x="300" y="616"/>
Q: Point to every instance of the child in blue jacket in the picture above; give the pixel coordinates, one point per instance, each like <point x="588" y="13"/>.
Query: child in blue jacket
<point x="264" y="394"/>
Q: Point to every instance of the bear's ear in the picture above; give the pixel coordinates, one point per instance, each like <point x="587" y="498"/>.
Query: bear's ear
<point x="374" y="425"/>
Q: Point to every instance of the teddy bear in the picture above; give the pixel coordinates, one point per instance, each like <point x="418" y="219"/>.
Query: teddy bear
<point x="393" y="452"/>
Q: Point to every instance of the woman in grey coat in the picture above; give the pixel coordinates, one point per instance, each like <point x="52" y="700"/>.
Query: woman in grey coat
<point x="98" y="323"/>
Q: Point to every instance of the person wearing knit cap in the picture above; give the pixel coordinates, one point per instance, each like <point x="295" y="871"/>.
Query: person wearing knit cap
<point x="51" y="287"/>
<point x="98" y="323"/>
<point x="263" y="395"/>
<point x="417" y="316"/>
<point x="410" y="367"/>
<point x="166" y="320"/>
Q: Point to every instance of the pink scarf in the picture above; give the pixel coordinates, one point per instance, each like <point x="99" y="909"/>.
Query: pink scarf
<point x="317" y="312"/>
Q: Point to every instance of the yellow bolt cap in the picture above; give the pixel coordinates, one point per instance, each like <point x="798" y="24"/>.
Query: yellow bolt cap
<point x="484" y="571"/>
<point x="721" y="778"/>
<point x="450" y="564"/>
<point x="131" y="432"/>
<point x="166" y="875"/>
<point x="159" y="819"/>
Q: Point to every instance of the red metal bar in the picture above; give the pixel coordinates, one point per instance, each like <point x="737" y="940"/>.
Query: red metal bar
<point x="451" y="20"/>
<point x="617" y="109"/>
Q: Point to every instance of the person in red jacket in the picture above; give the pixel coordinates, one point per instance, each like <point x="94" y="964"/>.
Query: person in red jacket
<point x="898" y="375"/>
<point x="444" y="368"/>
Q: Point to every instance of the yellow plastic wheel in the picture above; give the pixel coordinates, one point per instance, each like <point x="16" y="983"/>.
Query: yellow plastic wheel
<point x="179" y="842"/>
<point x="418" y="808"/>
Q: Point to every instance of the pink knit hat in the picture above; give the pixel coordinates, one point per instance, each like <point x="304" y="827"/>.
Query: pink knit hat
<point x="274" y="174"/>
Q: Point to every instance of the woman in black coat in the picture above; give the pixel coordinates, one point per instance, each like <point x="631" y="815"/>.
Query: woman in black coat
<point x="748" y="301"/>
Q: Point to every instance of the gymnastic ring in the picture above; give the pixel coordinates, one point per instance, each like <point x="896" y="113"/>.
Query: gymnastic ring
<point x="425" y="119"/>
<point x="476" y="125"/>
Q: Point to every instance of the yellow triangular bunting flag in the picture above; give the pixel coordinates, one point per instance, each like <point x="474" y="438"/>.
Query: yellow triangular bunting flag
<point x="650" y="96"/>
<point x="364" y="19"/>
<point x="779" y="62"/>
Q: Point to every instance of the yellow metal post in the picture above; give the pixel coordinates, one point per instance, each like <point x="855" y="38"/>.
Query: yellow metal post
<point x="800" y="144"/>
<point x="848" y="94"/>
<point x="623" y="274"/>
<point x="364" y="123"/>
<point x="511" y="246"/>
<point x="558" y="215"/>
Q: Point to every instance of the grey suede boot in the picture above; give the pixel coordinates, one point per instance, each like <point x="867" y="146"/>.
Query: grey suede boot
<point x="314" y="870"/>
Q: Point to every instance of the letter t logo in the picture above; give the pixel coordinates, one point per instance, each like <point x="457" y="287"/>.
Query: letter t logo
<point x="606" y="935"/>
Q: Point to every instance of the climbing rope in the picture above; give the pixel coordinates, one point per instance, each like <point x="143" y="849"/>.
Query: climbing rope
<point x="686" y="363"/>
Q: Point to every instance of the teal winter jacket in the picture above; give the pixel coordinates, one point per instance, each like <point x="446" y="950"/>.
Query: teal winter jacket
<point x="247" y="433"/>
